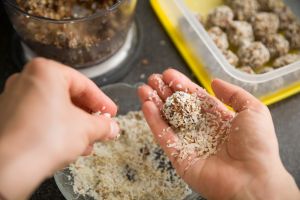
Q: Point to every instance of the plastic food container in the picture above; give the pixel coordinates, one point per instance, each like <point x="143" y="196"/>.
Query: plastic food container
<point x="179" y="17"/>
<point x="80" y="42"/>
<point x="125" y="97"/>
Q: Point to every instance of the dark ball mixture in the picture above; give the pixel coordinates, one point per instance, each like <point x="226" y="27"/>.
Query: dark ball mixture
<point x="78" y="43"/>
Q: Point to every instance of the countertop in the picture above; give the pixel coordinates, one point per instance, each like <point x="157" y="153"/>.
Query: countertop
<point x="158" y="53"/>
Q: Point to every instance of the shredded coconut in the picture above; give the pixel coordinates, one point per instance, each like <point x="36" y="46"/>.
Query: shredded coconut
<point x="200" y="127"/>
<point x="133" y="167"/>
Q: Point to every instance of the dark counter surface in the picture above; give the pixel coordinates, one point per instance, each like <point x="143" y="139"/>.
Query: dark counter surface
<point x="158" y="53"/>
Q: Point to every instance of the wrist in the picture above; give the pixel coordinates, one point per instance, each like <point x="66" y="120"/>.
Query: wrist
<point x="275" y="184"/>
<point x="21" y="171"/>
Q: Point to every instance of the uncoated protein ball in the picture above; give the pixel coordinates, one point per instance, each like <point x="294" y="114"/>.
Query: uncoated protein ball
<point x="183" y="111"/>
<point x="231" y="57"/>
<point x="264" y="23"/>
<point x="286" y="60"/>
<point x="219" y="37"/>
<point x="292" y="33"/>
<point x="277" y="45"/>
<point x="240" y="32"/>
<point x="243" y="9"/>
<point x="254" y="55"/>
<point x="270" y="5"/>
<point x="220" y="16"/>
<point x="286" y="16"/>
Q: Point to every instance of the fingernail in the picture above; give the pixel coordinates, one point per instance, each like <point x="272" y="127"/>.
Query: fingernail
<point x="114" y="130"/>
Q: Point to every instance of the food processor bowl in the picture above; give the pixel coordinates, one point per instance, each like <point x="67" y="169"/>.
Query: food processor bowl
<point x="79" y="43"/>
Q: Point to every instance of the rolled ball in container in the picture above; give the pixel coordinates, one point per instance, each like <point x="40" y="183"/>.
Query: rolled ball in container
<point x="220" y="16"/>
<point x="231" y="57"/>
<point x="219" y="37"/>
<point x="286" y="60"/>
<point x="240" y="32"/>
<point x="254" y="55"/>
<point x="264" y="23"/>
<point x="277" y="44"/>
<point x="243" y="9"/>
<point x="292" y="33"/>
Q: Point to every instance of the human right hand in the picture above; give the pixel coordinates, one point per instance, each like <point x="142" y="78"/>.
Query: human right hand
<point x="248" y="165"/>
<point x="46" y="123"/>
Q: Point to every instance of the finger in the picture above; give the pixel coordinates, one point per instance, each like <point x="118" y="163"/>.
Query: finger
<point x="146" y="93"/>
<point x="182" y="83"/>
<point x="160" y="129"/>
<point x="88" y="150"/>
<point x="235" y="96"/>
<point x="179" y="82"/>
<point x="99" y="128"/>
<point x="163" y="90"/>
<point x="86" y="93"/>
<point x="11" y="80"/>
<point x="83" y="91"/>
<point x="166" y="138"/>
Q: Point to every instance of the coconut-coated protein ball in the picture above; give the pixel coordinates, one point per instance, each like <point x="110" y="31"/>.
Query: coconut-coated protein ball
<point x="277" y="45"/>
<point x="286" y="17"/>
<point x="254" y="55"/>
<point x="286" y="60"/>
<point x="243" y="9"/>
<point x="183" y="111"/>
<point x="240" y="32"/>
<point x="231" y="57"/>
<point x="292" y="33"/>
<point x="264" y="23"/>
<point x="270" y="5"/>
<point x="220" y="16"/>
<point x="219" y="37"/>
<point x="247" y="70"/>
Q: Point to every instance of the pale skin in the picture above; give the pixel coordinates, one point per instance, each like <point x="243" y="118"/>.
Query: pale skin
<point x="248" y="166"/>
<point x="46" y="123"/>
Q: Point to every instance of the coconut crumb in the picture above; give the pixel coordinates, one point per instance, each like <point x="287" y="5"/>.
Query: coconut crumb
<point x="199" y="133"/>
<point x="98" y="113"/>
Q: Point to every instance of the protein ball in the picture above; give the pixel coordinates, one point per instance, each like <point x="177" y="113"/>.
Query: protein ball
<point x="247" y="70"/>
<point x="220" y="16"/>
<point x="265" y="23"/>
<point x="265" y="70"/>
<point x="183" y="111"/>
<point x="270" y="5"/>
<point x="286" y="60"/>
<point x="292" y="33"/>
<point x="240" y="32"/>
<point x="245" y="9"/>
<point x="277" y="45"/>
<point x="201" y="19"/>
<point x="231" y="57"/>
<point x="286" y="17"/>
<point x="219" y="37"/>
<point x="254" y="55"/>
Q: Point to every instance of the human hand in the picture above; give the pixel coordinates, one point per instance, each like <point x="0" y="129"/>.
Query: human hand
<point x="247" y="166"/>
<point x="45" y="123"/>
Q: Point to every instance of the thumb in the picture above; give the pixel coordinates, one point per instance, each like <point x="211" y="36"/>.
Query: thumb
<point x="234" y="96"/>
<point x="101" y="128"/>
